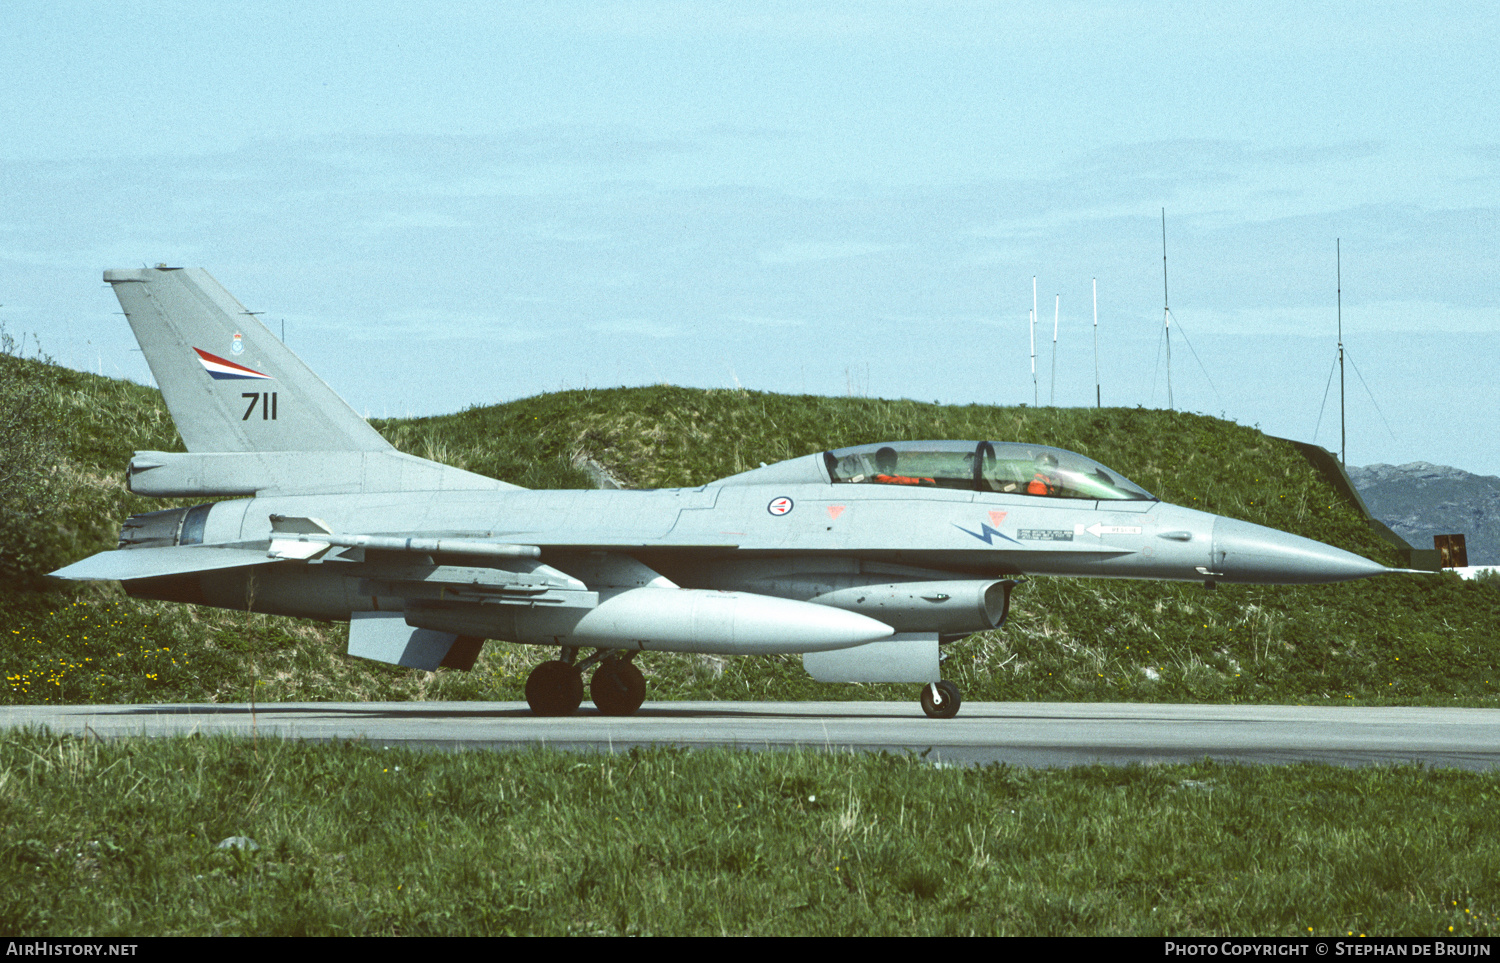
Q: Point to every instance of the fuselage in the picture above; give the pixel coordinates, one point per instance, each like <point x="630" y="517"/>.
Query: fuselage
<point x="864" y="559"/>
<point x="770" y="533"/>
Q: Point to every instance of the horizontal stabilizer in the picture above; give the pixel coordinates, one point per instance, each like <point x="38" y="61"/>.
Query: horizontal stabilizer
<point x="131" y="563"/>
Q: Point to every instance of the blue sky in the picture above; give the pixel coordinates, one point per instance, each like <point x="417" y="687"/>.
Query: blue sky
<point x="460" y="204"/>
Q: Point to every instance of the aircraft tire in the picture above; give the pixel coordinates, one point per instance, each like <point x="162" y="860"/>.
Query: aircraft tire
<point x="618" y="688"/>
<point x="948" y="707"/>
<point x="554" y="689"/>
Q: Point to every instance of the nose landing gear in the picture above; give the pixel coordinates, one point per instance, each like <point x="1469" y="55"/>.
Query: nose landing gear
<point x="940" y="700"/>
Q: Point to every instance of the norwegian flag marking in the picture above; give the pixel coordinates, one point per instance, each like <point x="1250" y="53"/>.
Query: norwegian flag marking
<point x="222" y="369"/>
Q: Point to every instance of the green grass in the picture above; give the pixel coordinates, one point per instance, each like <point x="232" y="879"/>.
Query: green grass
<point x="120" y="838"/>
<point x="117" y="838"/>
<point x="1413" y="640"/>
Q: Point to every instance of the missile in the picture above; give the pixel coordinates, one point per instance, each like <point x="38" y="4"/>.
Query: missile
<point x="662" y="620"/>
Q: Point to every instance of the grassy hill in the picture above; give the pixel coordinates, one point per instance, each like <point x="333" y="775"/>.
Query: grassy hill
<point x="1397" y="639"/>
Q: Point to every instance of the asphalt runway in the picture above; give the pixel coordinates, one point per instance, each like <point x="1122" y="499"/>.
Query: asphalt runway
<point x="1023" y="734"/>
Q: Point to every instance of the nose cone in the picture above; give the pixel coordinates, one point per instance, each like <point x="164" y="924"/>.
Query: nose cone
<point x="1252" y="553"/>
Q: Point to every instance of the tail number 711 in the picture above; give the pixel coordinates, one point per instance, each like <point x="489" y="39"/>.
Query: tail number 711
<point x="267" y="402"/>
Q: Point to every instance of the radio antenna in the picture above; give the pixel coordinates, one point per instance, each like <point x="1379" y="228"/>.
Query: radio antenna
<point x="1338" y="267"/>
<point x="1097" y="401"/>
<point x="1035" y="396"/>
<point x="1166" y="310"/>
<point x="1052" y="398"/>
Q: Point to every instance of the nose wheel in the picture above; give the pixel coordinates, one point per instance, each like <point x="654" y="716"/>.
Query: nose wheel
<point x="940" y="700"/>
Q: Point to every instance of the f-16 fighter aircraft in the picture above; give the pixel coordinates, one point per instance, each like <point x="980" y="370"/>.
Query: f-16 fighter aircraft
<point x="865" y="560"/>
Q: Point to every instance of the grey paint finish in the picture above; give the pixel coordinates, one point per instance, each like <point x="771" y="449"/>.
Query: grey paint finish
<point x="829" y="551"/>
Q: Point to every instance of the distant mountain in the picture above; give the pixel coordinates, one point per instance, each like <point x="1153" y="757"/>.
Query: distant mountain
<point x="1421" y="500"/>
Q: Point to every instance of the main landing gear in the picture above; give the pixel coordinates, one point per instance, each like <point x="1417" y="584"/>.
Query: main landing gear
<point x="940" y="700"/>
<point x="555" y="688"/>
<point x="617" y="688"/>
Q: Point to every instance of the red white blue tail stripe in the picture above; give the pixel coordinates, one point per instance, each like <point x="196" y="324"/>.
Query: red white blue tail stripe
<point x="225" y="370"/>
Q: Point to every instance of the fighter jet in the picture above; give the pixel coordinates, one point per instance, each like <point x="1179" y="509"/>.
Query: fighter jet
<point x="865" y="560"/>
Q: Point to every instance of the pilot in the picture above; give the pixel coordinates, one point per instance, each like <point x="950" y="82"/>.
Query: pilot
<point x="885" y="470"/>
<point x="1045" y="481"/>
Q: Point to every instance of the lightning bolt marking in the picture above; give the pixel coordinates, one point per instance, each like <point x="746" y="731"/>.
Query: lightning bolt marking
<point x="988" y="534"/>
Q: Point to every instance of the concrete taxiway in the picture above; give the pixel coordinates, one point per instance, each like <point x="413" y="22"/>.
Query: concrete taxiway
<point x="1024" y="734"/>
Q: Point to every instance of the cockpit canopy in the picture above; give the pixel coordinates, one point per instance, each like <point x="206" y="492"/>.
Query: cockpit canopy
<point x="986" y="466"/>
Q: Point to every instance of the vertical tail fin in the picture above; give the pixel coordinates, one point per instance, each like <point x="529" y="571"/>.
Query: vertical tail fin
<point x="229" y="383"/>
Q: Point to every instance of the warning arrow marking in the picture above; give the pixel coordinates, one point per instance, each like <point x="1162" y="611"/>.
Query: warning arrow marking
<point x="1099" y="530"/>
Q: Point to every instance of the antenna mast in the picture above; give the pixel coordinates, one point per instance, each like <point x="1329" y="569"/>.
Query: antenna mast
<point x="1165" y="309"/>
<point x="1052" y="399"/>
<point x="1339" y="275"/>
<point x="1035" y="397"/>
<point x="1097" y="401"/>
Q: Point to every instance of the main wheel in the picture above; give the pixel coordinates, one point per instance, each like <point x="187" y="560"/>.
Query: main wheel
<point x="617" y="688"/>
<point x="945" y="704"/>
<point x="554" y="689"/>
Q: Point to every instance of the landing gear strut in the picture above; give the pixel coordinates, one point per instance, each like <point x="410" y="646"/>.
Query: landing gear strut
<point x="940" y="700"/>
